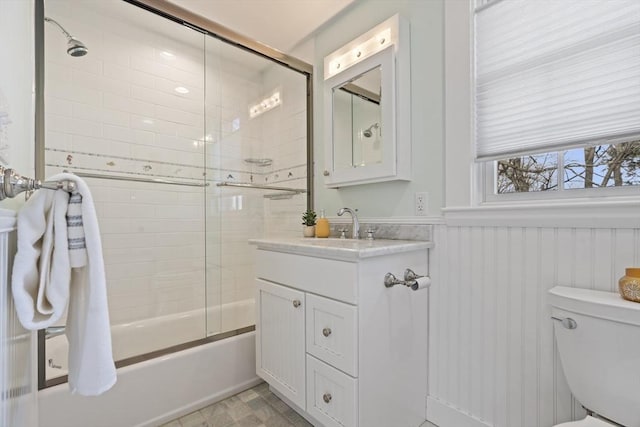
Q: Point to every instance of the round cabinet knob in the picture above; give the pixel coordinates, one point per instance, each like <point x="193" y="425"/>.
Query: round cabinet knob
<point x="326" y="397"/>
<point x="325" y="173"/>
<point x="296" y="303"/>
<point x="326" y="332"/>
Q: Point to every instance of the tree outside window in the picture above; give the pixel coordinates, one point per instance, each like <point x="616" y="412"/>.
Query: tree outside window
<point x="612" y="165"/>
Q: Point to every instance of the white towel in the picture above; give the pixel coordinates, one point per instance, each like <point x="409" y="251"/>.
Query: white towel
<point x="44" y="280"/>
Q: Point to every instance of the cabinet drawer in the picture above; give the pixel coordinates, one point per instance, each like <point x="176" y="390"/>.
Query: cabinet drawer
<point x="335" y="279"/>
<point x="332" y="333"/>
<point x="331" y="395"/>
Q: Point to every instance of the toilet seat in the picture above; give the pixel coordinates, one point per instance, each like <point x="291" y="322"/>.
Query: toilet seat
<point x="587" y="422"/>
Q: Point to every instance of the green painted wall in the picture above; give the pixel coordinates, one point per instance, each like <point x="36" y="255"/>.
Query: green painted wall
<point x="391" y="199"/>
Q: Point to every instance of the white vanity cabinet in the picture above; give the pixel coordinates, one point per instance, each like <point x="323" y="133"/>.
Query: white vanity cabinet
<point x="331" y="339"/>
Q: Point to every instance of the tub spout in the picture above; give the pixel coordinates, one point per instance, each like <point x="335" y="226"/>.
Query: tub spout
<point x="355" y="225"/>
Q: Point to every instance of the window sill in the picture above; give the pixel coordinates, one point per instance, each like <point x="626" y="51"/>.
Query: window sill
<point x="621" y="213"/>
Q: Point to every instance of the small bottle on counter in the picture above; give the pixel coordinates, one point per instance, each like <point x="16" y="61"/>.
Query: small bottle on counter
<point x="322" y="226"/>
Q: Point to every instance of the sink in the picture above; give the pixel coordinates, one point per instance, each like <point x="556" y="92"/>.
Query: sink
<point x="336" y="248"/>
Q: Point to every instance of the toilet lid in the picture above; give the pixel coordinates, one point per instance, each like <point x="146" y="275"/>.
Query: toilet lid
<point x="587" y="422"/>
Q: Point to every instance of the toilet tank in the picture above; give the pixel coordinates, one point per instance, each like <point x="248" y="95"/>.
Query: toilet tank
<point x="601" y="356"/>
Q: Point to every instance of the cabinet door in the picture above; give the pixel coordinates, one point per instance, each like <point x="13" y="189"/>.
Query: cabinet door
<point x="280" y="353"/>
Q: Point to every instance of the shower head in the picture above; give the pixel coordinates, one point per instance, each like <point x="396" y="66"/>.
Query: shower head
<point x="367" y="132"/>
<point x="74" y="46"/>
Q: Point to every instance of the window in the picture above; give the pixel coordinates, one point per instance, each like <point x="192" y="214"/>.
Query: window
<point x="601" y="166"/>
<point x="557" y="95"/>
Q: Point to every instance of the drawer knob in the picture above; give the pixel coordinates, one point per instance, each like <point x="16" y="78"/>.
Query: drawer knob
<point x="326" y="332"/>
<point x="326" y="397"/>
<point x="296" y="303"/>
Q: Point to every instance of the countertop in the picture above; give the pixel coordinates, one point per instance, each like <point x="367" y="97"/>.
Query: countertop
<point x="344" y="249"/>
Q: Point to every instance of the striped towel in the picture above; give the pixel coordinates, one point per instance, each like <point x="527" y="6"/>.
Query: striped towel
<point x="75" y="232"/>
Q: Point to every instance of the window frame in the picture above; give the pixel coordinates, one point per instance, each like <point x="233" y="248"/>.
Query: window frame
<point x="484" y="185"/>
<point x="490" y="195"/>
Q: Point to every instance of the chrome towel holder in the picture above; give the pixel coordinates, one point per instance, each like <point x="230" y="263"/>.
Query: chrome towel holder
<point x="12" y="184"/>
<point x="410" y="280"/>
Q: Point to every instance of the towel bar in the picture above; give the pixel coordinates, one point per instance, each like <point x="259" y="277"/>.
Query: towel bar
<point x="12" y="184"/>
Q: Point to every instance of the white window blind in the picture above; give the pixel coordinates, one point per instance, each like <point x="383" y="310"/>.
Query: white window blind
<point x="551" y="74"/>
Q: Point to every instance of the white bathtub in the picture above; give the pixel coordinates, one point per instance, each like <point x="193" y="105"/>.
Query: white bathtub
<point x="144" y="336"/>
<point x="161" y="389"/>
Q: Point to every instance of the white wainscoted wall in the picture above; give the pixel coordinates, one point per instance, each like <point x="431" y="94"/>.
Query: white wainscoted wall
<point x="18" y="391"/>
<point x="493" y="359"/>
<point x="492" y="353"/>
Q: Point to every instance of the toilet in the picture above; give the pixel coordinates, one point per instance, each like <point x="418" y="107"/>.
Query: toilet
<point x="598" y="338"/>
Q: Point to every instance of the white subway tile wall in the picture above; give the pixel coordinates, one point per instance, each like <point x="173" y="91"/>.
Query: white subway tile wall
<point x="156" y="99"/>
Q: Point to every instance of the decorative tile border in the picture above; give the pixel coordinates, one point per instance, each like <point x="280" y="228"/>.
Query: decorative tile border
<point x="78" y="160"/>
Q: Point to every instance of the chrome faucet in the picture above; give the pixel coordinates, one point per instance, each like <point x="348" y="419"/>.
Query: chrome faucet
<point x="355" y="225"/>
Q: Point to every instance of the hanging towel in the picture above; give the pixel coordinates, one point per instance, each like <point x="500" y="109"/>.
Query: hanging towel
<point x="75" y="232"/>
<point x="51" y="269"/>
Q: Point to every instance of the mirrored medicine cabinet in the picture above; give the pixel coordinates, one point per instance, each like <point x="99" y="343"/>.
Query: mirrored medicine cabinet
<point x="367" y="108"/>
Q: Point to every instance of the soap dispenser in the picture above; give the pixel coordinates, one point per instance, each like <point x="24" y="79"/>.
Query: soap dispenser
<point x="322" y="226"/>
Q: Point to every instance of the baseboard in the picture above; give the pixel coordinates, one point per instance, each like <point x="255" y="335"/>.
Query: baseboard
<point x="194" y="406"/>
<point x="443" y="414"/>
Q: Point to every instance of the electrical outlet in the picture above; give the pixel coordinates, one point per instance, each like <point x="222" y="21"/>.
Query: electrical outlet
<point x="421" y="203"/>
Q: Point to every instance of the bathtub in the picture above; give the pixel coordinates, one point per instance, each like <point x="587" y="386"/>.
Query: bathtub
<point x="148" y="335"/>
<point x="158" y="390"/>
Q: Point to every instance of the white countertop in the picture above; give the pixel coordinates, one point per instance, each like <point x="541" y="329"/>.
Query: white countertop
<point x="7" y="220"/>
<point x="347" y="249"/>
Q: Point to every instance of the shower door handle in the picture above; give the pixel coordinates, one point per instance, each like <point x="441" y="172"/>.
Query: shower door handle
<point x="54" y="331"/>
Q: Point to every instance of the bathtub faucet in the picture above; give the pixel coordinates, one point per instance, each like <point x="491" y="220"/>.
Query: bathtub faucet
<point x="355" y="225"/>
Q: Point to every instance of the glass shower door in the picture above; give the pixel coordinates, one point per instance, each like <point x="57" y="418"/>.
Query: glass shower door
<point x="256" y="138"/>
<point x="131" y="112"/>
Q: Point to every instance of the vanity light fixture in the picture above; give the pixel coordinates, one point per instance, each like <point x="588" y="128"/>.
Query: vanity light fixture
<point x="364" y="49"/>
<point x="265" y="105"/>
<point x="373" y="41"/>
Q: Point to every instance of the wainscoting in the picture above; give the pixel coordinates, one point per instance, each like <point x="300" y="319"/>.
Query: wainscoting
<point x="492" y="358"/>
<point x="18" y="396"/>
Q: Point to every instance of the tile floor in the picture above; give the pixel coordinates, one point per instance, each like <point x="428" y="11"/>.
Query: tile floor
<point x="256" y="407"/>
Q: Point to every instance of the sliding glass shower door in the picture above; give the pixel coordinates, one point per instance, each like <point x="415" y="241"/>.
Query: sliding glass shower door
<point x="163" y="122"/>
<point x="256" y="138"/>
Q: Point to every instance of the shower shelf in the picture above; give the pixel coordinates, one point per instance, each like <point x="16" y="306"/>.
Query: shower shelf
<point x="260" y="187"/>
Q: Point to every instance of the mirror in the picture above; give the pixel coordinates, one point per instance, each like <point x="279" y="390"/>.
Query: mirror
<point x="356" y="121"/>
<point x="361" y="114"/>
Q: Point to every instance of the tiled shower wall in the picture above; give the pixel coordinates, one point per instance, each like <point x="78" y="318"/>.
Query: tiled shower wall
<point x="115" y="111"/>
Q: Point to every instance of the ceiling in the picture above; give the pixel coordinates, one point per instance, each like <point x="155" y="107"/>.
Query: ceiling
<point x="281" y="24"/>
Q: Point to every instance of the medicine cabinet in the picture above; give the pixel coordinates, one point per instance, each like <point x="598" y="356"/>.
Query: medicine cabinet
<point x="367" y="108"/>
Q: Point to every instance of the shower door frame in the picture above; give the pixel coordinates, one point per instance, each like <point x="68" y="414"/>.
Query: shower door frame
<point x="207" y="27"/>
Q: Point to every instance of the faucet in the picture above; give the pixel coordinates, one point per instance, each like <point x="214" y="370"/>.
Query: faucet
<point x="355" y="225"/>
